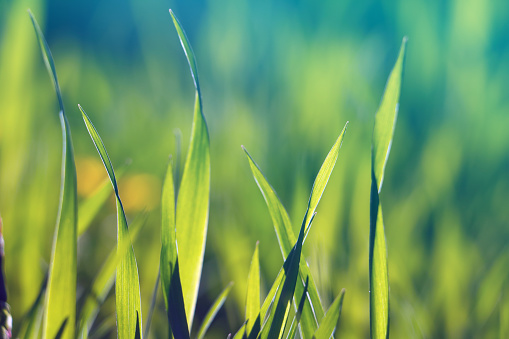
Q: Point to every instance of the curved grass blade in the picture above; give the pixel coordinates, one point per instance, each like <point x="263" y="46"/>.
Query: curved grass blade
<point x="253" y="294"/>
<point x="60" y="303"/>
<point x="313" y="309"/>
<point x="91" y="206"/>
<point x="194" y="191"/>
<point x="331" y="318"/>
<point x="385" y="122"/>
<point x="105" y="279"/>
<point x="169" y="265"/>
<point x="127" y="284"/>
<point x="211" y="314"/>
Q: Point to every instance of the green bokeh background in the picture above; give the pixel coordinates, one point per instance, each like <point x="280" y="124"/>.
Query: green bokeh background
<point x="281" y="78"/>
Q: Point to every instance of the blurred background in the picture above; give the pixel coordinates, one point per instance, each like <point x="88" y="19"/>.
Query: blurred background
<point x="281" y="78"/>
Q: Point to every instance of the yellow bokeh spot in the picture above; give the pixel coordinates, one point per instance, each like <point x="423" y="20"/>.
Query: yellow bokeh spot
<point x="140" y="191"/>
<point x="90" y="172"/>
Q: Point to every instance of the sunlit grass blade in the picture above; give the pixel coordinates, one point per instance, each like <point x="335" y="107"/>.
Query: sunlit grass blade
<point x="331" y="318"/>
<point x="61" y="293"/>
<point x="127" y="284"/>
<point x="385" y="122"/>
<point x="253" y="294"/>
<point x="105" y="279"/>
<point x="31" y="325"/>
<point x="313" y="309"/>
<point x="194" y="191"/>
<point x="169" y="265"/>
<point x="240" y="333"/>
<point x="322" y="178"/>
<point x="211" y="314"/>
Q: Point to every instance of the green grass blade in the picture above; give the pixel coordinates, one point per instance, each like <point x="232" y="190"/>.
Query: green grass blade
<point x="127" y="284"/>
<point x="31" y="325"/>
<point x="385" y="122"/>
<point x="193" y="197"/>
<point x="313" y="309"/>
<point x="322" y="178"/>
<point x="331" y="318"/>
<point x="61" y="294"/>
<point x="153" y="302"/>
<point x="253" y="294"/>
<point x="105" y="279"/>
<point x="240" y="333"/>
<point x="211" y="314"/>
<point x="170" y="276"/>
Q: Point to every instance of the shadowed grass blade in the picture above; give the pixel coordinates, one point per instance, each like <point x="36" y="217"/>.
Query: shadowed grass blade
<point x="105" y="279"/>
<point x="385" y="122"/>
<point x="60" y="304"/>
<point x="127" y="284"/>
<point x="211" y="314"/>
<point x="313" y="309"/>
<point x="253" y="294"/>
<point x="170" y="276"/>
<point x="331" y="318"/>
<point x="193" y="197"/>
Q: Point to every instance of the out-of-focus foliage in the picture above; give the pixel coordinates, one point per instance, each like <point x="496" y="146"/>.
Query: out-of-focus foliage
<point x="281" y="78"/>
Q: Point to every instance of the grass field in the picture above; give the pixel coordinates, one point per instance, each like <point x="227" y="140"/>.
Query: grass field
<point x="281" y="79"/>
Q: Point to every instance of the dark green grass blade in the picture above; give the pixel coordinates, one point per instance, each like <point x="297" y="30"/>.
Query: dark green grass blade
<point x="60" y="332"/>
<point x="385" y="122"/>
<point x="298" y="314"/>
<point x="61" y="294"/>
<point x="212" y="312"/>
<point x="331" y="318"/>
<point x="137" y="334"/>
<point x="253" y="294"/>
<point x="105" y="279"/>
<point x="313" y="309"/>
<point x="193" y="197"/>
<point x="127" y="284"/>
<point x="170" y="276"/>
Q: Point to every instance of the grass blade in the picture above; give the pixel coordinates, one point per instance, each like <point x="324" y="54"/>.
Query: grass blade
<point x="194" y="191"/>
<point x="298" y="314"/>
<point x="385" y="122"/>
<point x="253" y="294"/>
<point x="313" y="309"/>
<point x="240" y="333"/>
<point x="211" y="314"/>
<point x="170" y="275"/>
<point x="60" y="303"/>
<point x="104" y="280"/>
<point x="127" y="284"/>
<point x="331" y="318"/>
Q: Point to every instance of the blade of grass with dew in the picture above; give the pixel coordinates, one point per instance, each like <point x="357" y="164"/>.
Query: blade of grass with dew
<point x="383" y="131"/>
<point x="313" y="309"/>
<point x="90" y="207"/>
<point x="253" y="294"/>
<point x="127" y="284"/>
<point x="169" y="264"/>
<point x="193" y="197"/>
<point x="331" y="318"/>
<point x="212" y="312"/>
<point x="105" y="279"/>
<point x="60" y="303"/>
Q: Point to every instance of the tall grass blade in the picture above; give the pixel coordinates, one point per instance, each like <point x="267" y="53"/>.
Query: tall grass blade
<point x="127" y="284"/>
<point x="253" y="294"/>
<point x="193" y="197"/>
<point x="211" y="314"/>
<point x="313" y="309"/>
<point x="331" y="318"/>
<point x="170" y="276"/>
<point x="105" y="279"/>
<point x="385" y="122"/>
<point x="60" y="303"/>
